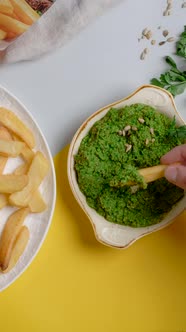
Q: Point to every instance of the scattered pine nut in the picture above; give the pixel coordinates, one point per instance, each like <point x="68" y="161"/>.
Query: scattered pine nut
<point x="147" y="141"/>
<point x="148" y="34"/>
<point x="152" y="131"/>
<point x="124" y="133"/>
<point x="146" y="51"/>
<point x="141" y="120"/>
<point x="128" y="147"/>
<point x="165" y="33"/>
<point x="170" y="39"/>
<point x="162" y="43"/>
<point x="127" y="128"/>
<point x="142" y="56"/>
<point x="145" y="31"/>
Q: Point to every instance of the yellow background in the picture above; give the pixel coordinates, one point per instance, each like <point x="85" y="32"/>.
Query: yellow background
<point x="76" y="284"/>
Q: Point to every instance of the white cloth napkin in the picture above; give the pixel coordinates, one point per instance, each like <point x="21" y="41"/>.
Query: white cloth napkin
<point x="55" y="28"/>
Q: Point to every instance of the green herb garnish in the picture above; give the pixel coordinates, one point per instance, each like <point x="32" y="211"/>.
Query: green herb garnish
<point x="181" y="44"/>
<point x="174" y="80"/>
<point x="179" y="132"/>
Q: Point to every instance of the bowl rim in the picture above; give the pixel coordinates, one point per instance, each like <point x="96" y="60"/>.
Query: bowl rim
<point x="70" y="158"/>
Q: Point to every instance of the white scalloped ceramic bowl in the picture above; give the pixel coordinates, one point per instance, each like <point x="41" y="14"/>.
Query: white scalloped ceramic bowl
<point x="114" y="235"/>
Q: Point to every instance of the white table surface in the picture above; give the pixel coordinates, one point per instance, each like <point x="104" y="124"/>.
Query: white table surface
<point x="98" y="67"/>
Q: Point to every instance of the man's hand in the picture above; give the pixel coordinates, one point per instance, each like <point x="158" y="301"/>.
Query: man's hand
<point x="176" y="173"/>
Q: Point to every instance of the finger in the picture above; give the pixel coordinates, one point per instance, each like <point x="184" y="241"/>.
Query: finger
<point x="178" y="154"/>
<point x="176" y="175"/>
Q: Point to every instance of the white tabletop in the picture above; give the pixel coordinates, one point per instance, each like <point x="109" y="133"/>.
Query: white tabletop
<point x="98" y="67"/>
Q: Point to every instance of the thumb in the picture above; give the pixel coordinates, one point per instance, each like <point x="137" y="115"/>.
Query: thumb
<point x="176" y="175"/>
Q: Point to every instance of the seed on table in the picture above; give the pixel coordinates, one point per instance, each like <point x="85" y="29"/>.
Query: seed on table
<point x="166" y="13"/>
<point x="170" y="39"/>
<point x="165" y="33"/>
<point x="162" y="43"/>
<point x="141" y="120"/>
<point x="153" y="42"/>
<point x="134" y="128"/>
<point x="149" y="34"/>
<point x="127" y="128"/>
<point x="169" y="6"/>
<point x="152" y="131"/>
<point x="144" y="32"/>
<point x="184" y="5"/>
<point x="146" y="51"/>
<point x="142" y="56"/>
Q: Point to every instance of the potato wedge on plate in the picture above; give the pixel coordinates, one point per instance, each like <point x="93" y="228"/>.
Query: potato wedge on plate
<point x="5" y="135"/>
<point x="18" y="248"/>
<point x="10" y="232"/>
<point x="37" y="203"/>
<point x="15" y="125"/>
<point x="10" y="183"/>
<point x="22" y="169"/>
<point x="11" y="148"/>
<point x="37" y="172"/>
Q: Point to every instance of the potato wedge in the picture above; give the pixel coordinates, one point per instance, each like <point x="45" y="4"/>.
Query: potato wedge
<point x="37" y="172"/>
<point x="10" y="183"/>
<point x="10" y="24"/>
<point x="18" y="248"/>
<point x="5" y="135"/>
<point x="6" y="7"/>
<point x="25" y="13"/>
<point x="37" y="204"/>
<point x="11" y="148"/>
<point x="22" y="169"/>
<point x="10" y="232"/>
<point x="14" y="124"/>
<point x="3" y="201"/>
<point x="26" y="153"/>
<point x="3" y="34"/>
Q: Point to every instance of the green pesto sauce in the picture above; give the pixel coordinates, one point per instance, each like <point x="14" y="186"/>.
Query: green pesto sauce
<point x="103" y="166"/>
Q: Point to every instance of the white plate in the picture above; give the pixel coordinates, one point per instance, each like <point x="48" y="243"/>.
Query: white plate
<point x="38" y="224"/>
